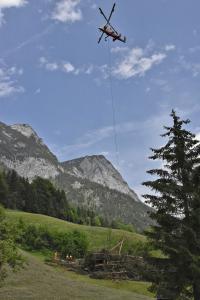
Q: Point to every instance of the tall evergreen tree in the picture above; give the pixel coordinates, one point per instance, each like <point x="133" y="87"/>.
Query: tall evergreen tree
<point x="3" y="189"/>
<point x="176" y="200"/>
<point x="15" y="184"/>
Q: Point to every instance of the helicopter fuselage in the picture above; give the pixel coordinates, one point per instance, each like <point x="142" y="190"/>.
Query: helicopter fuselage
<point x="110" y="32"/>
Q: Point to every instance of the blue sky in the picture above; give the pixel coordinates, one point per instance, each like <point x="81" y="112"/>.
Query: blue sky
<point x="55" y="77"/>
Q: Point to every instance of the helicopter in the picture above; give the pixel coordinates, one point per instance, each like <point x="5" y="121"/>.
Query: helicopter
<point x="109" y="30"/>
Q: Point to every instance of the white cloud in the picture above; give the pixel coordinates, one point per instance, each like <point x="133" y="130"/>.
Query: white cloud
<point x="67" y="11"/>
<point x="137" y="63"/>
<point x="194" y="68"/>
<point x="38" y="91"/>
<point x="101" y="140"/>
<point x="43" y="60"/>
<point x="52" y="66"/>
<point x="195" y="32"/>
<point x="163" y="84"/>
<point x="170" y="47"/>
<point x="1" y="18"/>
<point x="148" y="89"/>
<point x="194" y="49"/>
<point x="104" y="69"/>
<point x="93" y="137"/>
<point x="9" y="88"/>
<point x="119" y="49"/>
<point x="12" y="3"/>
<point x="8" y="83"/>
<point x="28" y="41"/>
<point x="86" y="141"/>
<point x="65" y="66"/>
<point x="94" y="6"/>
<point x="4" y="4"/>
<point x="68" y="67"/>
<point x="57" y="132"/>
<point x="89" y="70"/>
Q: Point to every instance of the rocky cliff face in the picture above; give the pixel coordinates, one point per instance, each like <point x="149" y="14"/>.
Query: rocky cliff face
<point x="91" y="181"/>
<point x="22" y="150"/>
<point x="98" y="169"/>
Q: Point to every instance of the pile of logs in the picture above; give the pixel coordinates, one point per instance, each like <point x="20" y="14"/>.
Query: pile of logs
<point x="104" y="265"/>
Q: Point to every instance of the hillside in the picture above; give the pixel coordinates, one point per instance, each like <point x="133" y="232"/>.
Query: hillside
<point x="97" y="236"/>
<point x="40" y="281"/>
<point x="91" y="181"/>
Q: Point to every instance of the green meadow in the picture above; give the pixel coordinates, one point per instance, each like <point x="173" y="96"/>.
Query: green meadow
<point x="98" y="237"/>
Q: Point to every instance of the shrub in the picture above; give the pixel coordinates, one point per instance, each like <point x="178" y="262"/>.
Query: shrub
<point x="32" y="237"/>
<point x="72" y="243"/>
<point x="8" y="251"/>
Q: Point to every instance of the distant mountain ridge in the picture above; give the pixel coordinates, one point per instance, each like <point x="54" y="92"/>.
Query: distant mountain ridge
<point x="91" y="181"/>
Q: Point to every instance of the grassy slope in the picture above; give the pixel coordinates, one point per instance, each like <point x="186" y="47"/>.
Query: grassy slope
<point x="52" y="283"/>
<point x="39" y="281"/>
<point x="97" y="236"/>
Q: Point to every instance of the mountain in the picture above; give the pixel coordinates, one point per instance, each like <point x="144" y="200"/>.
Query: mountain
<point x="98" y="169"/>
<point x="90" y="181"/>
<point x="22" y="150"/>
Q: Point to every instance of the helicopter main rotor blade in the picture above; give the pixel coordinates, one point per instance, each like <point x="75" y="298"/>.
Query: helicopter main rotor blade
<point x="112" y="11"/>
<point x="107" y="19"/>
<point x="101" y="11"/>
<point x="100" y="38"/>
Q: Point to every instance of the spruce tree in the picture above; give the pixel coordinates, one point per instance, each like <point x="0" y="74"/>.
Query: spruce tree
<point x="176" y="203"/>
<point x="3" y="190"/>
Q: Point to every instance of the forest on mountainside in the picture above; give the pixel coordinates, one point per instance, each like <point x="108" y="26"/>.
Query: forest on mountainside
<point x="41" y="196"/>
